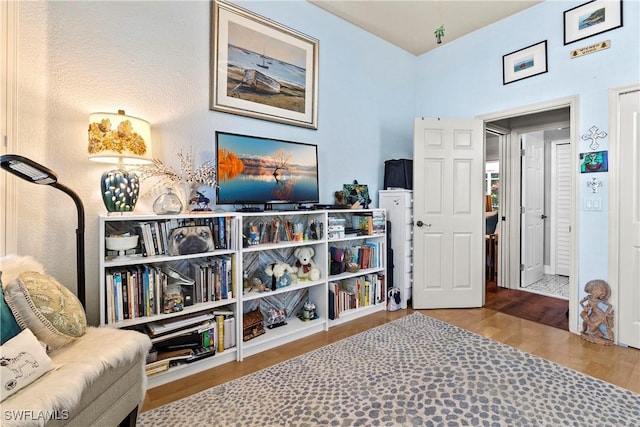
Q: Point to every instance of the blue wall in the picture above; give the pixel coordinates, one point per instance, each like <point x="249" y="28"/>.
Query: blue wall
<point x="463" y="79"/>
<point x="366" y="98"/>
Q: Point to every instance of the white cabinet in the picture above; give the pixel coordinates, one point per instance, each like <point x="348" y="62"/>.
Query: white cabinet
<point x="228" y="278"/>
<point x="399" y="207"/>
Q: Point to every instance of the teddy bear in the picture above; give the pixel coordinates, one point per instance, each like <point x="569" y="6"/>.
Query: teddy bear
<point x="280" y="273"/>
<point x="304" y="267"/>
<point x="341" y="198"/>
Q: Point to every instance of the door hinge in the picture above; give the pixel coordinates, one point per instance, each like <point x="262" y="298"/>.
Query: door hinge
<point x="521" y="267"/>
<point x="521" y="210"/>
<point x="522" y="152"/>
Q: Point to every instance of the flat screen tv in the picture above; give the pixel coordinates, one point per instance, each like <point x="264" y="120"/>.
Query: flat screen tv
<point x="253" y="170"/>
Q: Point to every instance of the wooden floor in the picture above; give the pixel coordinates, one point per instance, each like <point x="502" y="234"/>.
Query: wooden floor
<point x="617" y="365"/>
<point x="528" y="305"/>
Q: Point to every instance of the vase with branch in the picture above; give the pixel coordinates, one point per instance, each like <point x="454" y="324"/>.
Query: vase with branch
<point x="186" y="181"/>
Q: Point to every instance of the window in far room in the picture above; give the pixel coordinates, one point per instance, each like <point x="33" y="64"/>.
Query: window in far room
<point x="492" y="182"/>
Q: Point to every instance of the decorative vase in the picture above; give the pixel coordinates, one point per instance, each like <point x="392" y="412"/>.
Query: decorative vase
<point x="167" y="203"/>
<point x="186" y="191"/>
<point x="120" y="190"/>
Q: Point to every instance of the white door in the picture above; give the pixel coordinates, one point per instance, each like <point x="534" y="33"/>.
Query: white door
<point x="561" y="207"/>
<point x="448" y="232"/>
<point x="532" y="230"/>
<point x="629" y="219"/>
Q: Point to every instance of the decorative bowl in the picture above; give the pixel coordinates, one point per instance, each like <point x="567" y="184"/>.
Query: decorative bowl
<point x="352" y="267"/>
<point x="121" y="243"/>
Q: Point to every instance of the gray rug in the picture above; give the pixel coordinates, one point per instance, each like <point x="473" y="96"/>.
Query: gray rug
<point x="415" y="371"/>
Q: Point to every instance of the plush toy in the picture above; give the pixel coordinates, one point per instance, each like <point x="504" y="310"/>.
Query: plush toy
<point x="341" y="198"/>
<point x="280" y="274"/>
<point x="394" y="299"/>
<point x="305" y="268"/>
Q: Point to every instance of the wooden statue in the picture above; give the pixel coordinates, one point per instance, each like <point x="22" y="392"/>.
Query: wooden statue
<point x="597" y="314"/>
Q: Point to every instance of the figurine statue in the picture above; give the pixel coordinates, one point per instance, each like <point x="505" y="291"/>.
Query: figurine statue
<point x="597" y="314"/>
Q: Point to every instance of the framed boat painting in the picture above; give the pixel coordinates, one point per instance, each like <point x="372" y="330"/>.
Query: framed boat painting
<point x="527" y="62"/>
<point x="589" y="19"/>
<point x="262" y="69"/>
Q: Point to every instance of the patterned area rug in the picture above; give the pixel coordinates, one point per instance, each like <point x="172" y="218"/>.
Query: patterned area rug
<point x="414" y="371"/>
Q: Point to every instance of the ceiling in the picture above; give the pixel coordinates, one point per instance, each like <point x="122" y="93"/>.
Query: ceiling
<point x="410" y="25"/>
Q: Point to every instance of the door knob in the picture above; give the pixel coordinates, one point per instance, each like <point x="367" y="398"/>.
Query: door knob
<point x="543" y="216"/>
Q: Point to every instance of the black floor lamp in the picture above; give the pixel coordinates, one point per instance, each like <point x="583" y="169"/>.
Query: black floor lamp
<point x="33" y="172"/>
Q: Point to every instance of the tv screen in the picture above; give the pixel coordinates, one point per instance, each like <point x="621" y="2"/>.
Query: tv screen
<point x="255" y="170"/>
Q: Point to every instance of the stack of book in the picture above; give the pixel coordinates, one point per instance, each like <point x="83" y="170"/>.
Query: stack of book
<point x="188" y="338"/>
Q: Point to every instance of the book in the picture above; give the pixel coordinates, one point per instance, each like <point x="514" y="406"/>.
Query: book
<point x="164" y="326"/>
<point x="220" y="320"/>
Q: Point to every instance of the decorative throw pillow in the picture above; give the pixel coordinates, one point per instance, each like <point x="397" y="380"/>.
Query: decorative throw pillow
<point x="22" y="361"/>
<point x="40" y="303"/>
<point x="8" y="326"/>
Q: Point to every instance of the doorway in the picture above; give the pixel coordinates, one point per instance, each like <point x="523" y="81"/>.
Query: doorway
<point x="552" y="252"/>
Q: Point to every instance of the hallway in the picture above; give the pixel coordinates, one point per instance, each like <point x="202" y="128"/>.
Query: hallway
<point x="528" y="305"/>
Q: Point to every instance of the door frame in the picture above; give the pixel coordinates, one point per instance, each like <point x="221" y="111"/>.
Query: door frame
<point x="8" y="123"/>
<point x="512" y="210"/>
<point x="614" y="196"/>
<point x="504" y="149"/>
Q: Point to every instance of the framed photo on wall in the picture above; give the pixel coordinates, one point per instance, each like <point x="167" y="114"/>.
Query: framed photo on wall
<point x="527" y="62"/>
<point x="262" y="69"/>
<point x="589" y="19"/>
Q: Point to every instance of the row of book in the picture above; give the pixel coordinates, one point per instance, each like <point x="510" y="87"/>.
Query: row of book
<point x="367" y="255"/>
<point x="357" y="292"/>
<point x="189" y="338"/>
<point x="369" y="223"/>
<point x="213" y="278"/>
<point x="154" y="235"/>
<point x="282" y="230"/>
<point x="153" y="289"/>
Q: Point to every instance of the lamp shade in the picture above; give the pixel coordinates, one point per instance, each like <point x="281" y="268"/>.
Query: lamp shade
<point x="118" y="138"/>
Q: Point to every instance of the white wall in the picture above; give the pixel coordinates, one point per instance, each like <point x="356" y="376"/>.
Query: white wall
<point x="463" y="79"/>
<point x="152" y="60"/>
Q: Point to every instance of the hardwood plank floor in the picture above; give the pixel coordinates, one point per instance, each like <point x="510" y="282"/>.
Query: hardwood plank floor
<point x="617" y="365"/>
<point x="527" y="305"/>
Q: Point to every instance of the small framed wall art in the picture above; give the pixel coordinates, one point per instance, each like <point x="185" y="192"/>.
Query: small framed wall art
<point x="589" y="19"/>
<point x="527" y="62"/>
<point x="262" y="69"/>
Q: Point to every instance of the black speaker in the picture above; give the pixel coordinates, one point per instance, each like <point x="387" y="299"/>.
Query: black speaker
<point x="398" y="173"/>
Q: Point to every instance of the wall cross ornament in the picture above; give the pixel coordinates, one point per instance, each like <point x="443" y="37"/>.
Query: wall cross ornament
<point x="594" y="184"/>
<point x="594" y="136"/>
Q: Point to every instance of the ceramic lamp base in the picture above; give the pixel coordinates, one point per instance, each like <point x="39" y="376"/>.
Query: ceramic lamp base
<point x="120" y="190"/>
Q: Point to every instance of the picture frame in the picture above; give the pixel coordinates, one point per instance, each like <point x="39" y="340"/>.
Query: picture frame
<point x="595" y="161"/>
<point x="591" y="18"/>
<point x="357" y="193"/>
<point x="262" y="69"/>
<point x="524" y="63"/>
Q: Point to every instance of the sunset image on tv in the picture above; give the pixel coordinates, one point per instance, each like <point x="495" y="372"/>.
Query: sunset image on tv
<point x="261" y="170"/>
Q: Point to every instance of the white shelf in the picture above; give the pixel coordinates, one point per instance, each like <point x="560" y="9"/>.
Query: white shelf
<point x="196" y="308"/>
<point x="301" y="284"/>
<point x="186" y="369"/>
<point x="293" y="330"/>
<point x="254" y="258"/>
<point x="349" y="315"/>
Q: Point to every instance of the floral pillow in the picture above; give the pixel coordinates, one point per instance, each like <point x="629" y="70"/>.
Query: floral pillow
<point x="51" y="311"/>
